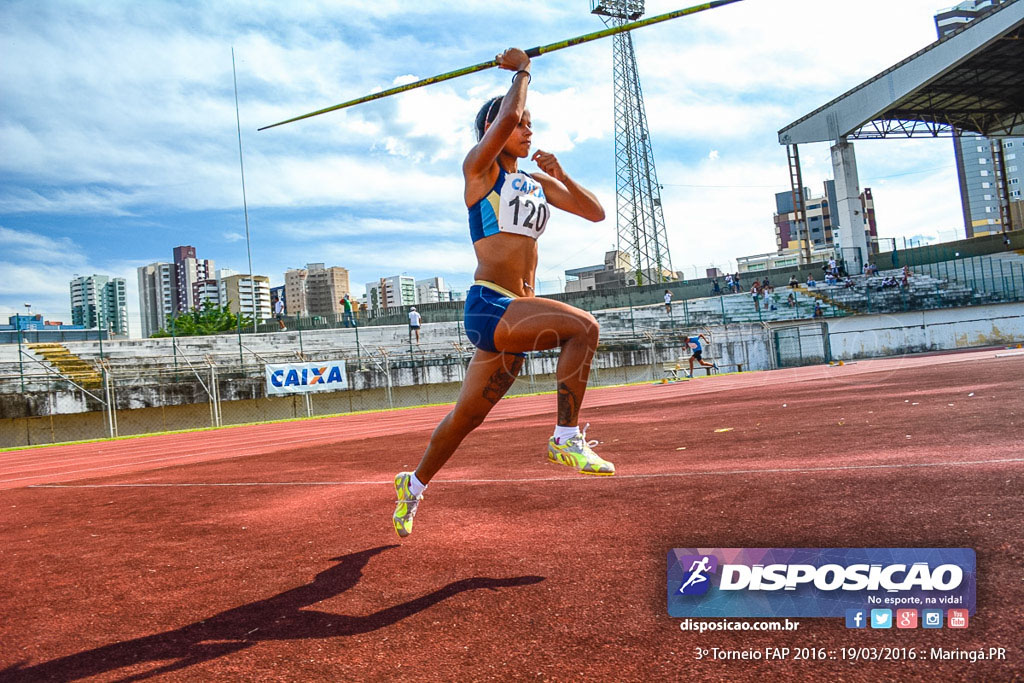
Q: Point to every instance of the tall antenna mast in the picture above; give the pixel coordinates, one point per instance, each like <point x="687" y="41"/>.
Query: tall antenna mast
<point x="639" y="217"/>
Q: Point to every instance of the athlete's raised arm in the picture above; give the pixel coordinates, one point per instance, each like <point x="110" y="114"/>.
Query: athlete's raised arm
<point x="564" y="192"/>
<point x="500" y="118"/>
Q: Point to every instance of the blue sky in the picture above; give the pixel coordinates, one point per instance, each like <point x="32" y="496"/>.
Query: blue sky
<point x="118" y="136"/>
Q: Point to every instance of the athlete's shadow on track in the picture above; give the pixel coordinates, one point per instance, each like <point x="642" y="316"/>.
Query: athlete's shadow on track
<point x="281" y="617"/>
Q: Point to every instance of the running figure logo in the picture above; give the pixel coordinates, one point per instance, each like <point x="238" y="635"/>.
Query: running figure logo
<point x="699" y="566"/>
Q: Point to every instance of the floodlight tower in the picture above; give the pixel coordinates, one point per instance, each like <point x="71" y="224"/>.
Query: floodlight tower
<point x="640" y="221"/>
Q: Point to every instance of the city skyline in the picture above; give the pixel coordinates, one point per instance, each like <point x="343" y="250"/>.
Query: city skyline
<point x="148" y="155"/>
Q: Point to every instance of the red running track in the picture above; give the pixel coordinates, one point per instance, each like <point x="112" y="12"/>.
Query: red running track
<point x="266" y="552"/>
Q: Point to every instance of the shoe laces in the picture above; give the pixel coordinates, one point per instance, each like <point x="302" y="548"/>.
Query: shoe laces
<point x="582" y="436"/>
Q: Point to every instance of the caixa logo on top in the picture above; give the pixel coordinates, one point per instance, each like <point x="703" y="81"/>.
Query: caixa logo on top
<point x="301" y="378"/>
<point x="816" y="582"/>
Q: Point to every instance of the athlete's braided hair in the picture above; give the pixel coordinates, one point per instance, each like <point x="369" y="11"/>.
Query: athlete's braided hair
<point x="487" y="113"/>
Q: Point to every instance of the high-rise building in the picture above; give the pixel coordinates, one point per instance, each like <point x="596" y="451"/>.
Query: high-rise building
<point x="100" y="301"/>
<point x="983" y="165"/>
<point x="295" y="291"/>
<point x="325" y="287"/>
<point x="190" y="272"/>
<point x="315" y="290"/>
<point x="433" y="290"/>
<point x="245" y="294"/>
<point x="790" y="235"/>
<point x="157" y="296"/>
<point x="397" y="290"/>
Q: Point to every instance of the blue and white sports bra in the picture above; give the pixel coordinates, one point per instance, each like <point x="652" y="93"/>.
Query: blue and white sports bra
<point x="516" y="204"/>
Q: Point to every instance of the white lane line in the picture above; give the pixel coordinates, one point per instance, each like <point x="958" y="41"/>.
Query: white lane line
<point x="662" y="475"/>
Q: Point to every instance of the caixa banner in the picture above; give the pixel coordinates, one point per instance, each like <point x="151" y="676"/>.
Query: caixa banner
<point x="816" y="582"/>
<point x="304" y="378"/>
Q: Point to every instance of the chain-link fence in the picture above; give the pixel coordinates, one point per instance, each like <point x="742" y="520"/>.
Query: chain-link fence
<point x="140" y="390"/>
<point x="76" y="390"/>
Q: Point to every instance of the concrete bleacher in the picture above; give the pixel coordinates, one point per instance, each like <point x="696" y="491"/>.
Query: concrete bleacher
<point x="927" y="287"/>
<point x="713" y="310"/>
<point x="1001" y="273"/>
<point x="974" y="281"/>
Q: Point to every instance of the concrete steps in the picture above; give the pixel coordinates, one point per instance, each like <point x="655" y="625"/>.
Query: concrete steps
<point x="68" y="364"/>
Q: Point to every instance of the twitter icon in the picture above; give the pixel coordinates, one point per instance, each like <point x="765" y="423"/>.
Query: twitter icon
<point x="881" y="618"/>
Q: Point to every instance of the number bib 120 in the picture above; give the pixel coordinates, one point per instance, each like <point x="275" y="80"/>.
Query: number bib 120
<point x="523" y="210"/>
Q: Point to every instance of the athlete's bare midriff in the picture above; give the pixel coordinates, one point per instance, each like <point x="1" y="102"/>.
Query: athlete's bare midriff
<point x="509" y="261"/>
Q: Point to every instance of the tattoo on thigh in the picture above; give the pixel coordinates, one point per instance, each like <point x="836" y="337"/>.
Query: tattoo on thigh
<point x="501" y="381"/>
<point x="568" y="405"/>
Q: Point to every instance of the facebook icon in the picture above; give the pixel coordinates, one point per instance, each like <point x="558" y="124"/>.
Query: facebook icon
<point x="856" y="618"/>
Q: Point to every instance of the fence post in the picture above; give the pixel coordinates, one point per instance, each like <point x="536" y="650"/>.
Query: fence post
<point x="298" y="326"/>
<point x="359" y="356"/>
<point x="21" y="362"/>
<point x="1002" y="279"/>
<point x="241" y="358"/>
<point x="686" y="314"/>
<point x="632" y="324"/>
<point x="106" y="394"/>
<point x="721" y="300"/>
<point x="654" y="360"/>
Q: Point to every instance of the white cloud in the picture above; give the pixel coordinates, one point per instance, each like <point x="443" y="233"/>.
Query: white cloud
<point x="120" y="115"/>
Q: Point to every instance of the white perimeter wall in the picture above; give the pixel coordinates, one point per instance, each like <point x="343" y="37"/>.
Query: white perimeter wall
<point x="866" y="336"/>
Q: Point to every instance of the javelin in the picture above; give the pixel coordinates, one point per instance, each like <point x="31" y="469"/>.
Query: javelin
<point x="532" y="52"/>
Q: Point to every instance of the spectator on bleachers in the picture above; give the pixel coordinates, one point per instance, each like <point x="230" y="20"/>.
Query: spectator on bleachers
<point x="728" y="282"/>
<point x="819" y="312"/>
<point x="830" y="279"/>
<point x="906" y="275"/>
<point x="810" y="281"/>
<point x="715" y="289"/>
<point x="766" y="286"/>
<point x="793" y="283"/>
<point x="791" y="300"/>
<point x="755" y="292"/>
<point x="832" y="265"/>
<point x="736" y="282"/>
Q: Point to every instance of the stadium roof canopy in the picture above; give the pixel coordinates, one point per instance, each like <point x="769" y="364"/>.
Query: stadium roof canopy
<point x="970" y="81"/>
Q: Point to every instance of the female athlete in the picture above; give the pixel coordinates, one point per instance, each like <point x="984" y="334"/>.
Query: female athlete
<point x="508" y="211"/>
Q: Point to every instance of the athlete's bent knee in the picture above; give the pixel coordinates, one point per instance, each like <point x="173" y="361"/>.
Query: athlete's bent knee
<point x="465" y="422"/>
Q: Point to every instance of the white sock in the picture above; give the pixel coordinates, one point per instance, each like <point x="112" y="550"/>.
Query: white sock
<point x="563" y="434"/>
<point x="415" y="486"/>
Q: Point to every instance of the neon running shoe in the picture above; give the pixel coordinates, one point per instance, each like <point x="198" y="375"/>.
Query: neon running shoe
<point x="405" y="510"/>
<point x="577" y="453"/>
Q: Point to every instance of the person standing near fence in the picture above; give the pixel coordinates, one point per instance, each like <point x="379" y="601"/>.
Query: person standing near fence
<point x="414" y="323"/>
<point x="668" y="302"/>
<point x="346" y="305"/>
<point x="508" y="212"/>
<point x="279" y="313"/>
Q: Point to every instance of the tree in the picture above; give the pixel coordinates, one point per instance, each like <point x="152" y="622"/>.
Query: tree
<point x="210" y="319"/>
